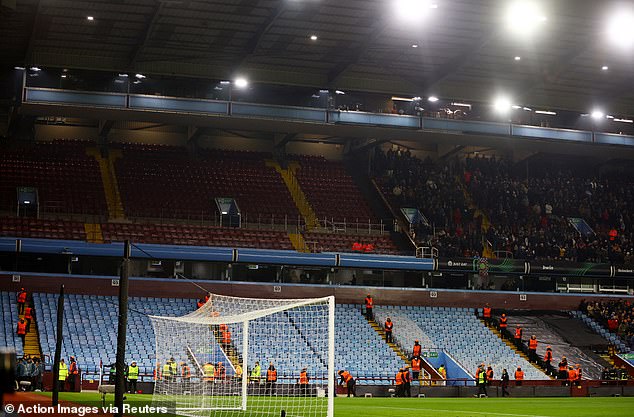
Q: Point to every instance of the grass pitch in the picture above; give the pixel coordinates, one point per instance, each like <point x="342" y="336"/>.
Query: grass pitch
<point x="428" y="407"/>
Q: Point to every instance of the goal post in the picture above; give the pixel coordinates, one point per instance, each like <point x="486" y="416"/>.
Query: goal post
<point x="207" y="361"/>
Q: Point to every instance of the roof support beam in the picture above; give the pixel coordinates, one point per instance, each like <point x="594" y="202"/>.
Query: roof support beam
<point x="36" y="21"/>
<point x="356" y="54"/>
<point x="147" y="33"/>
<point x="104" y="128"/>
<point x="280" y="139"/>
<point x="254" y="43"/>
<point x="462" y="58"/>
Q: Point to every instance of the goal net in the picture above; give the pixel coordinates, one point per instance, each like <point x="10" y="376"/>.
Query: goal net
<point x="247" y="357"/>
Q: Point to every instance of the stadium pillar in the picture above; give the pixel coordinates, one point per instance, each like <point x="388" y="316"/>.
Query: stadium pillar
<point x="58" y="345"/>
<point x="121" y="331"/>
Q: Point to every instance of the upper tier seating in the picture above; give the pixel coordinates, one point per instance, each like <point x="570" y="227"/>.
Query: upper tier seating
<point x="332" y="192"/>
<point x="67" y="180"/>
<point x="177" y="234"/>
<point x="164" y="181"/>
<point x="462" y="335"/>
<point x="41" y="228"/>
<point x="9" y="316"/>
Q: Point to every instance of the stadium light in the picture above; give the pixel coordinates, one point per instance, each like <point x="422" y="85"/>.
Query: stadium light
<point x="597" y="114"/>
<point x="432" y="99"/>
<point x="502" y="105"/>
<point x="523" y="17"/>
<point x="313" y="37"/>
<point x="517" y="58"/>
<point x="604" y="68"/>
<point x="19" y="68"/>
<point x="140" y="76"/>
<point x="547" y="112"/>
<point x="241" y="82"/>
<point x="413" y="10"/>
<point x="620" y="28"/>
<point x="90" y="18"/>
<point x="35" y="69"/>
<point x="624" y="120"/>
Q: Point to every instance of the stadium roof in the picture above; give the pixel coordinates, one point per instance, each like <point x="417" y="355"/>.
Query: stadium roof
<point x="463" y="49"/>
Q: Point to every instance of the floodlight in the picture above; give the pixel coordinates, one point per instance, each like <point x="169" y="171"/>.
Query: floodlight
<point x="597" y="114"/>
<point x="313" y="37"/>
<point x="523" y="17"/>
<point x="502" y="105"/>
<point x="413" y="10"/>
<point x="604" y="68"/>
<point x="241" y="82"/>
<point x="90" y="18"/>
<point x="432" y="99"/>
<point x="620" y="28"/>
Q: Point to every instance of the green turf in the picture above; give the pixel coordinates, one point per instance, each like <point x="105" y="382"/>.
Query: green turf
<point x="424" y="407"/>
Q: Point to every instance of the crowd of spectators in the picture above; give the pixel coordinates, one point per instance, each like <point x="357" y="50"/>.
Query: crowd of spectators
<point x="434" y="189"/>
<point x="617" y="316"/>
<point x="530" y="214"/>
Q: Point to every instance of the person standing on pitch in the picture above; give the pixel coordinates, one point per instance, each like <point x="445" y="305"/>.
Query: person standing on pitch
<point x="349" y="381"/>
<point x="398" y="381"/>
<point x="256" y="372"/>
<point x="303" y="382"/>
<point x="73" y="373"/>
<point x="505" y="382"/>
<point x="63" y="374"/>
<point x="271" y="379"/>
<point x="133" y="376"/>
<point x="481" y="381"/>
<point x="417" y="363"/>
<point x="407" y="382"/>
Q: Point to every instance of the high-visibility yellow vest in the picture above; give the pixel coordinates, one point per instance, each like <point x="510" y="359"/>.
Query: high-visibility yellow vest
<point x="63" y="371"/>
<point x="167" y="370"/>
<point x="133" y="372"/>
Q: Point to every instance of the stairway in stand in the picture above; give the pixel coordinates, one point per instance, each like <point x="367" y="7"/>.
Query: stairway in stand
<point x="32" y="339"/>
<point x="109" y="180"/>
<point x="232" y="353"/>
<point x="425" y="373"/>
<point x="512" y="346"/>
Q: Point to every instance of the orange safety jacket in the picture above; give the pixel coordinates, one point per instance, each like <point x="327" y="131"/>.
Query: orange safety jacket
<point x="416" y="364"/>
<point x="226" y="337"/>
<point x="219" y="371"/>
<point x="519" y="375"/>
<point x="157" y="372"/>
<point x="503" y="322"/>
<point x="186" y="372"/>
<point x="72" y="368"/>
<point x="489" y="375"/>
<point x="563" y="366"/>
<point x="572" y="375"/>
<point x="22" y="297"/>
<point x="303" y="378"/>
<point x="399" y="378"/>
<point x="579" y="373"/>
<point x="518" y="333"/>
<point x="417" y="349"/>
<point x="346" y="376"/>
<point x="199" y="304"/>
<point x="532" y="344"/>
<point x="28" y="313"/>
<point x="223" y="327"/>
<point x="369" y="303"/>
<point x="487" y="312"/>
<point x="271" y="375"/>
<point x="388" y="326"/>
<point x="21" y="328"/>
<point x="548" y="356"/>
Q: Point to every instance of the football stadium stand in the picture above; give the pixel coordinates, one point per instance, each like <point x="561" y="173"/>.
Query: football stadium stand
<point x="164" y="182"/>
<point x="459" y="332"/>
<point x="90" y="324"/>
<point x="548" y="336"/>
<point x="8" y="336"/>
<point x="51" y="167"/>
